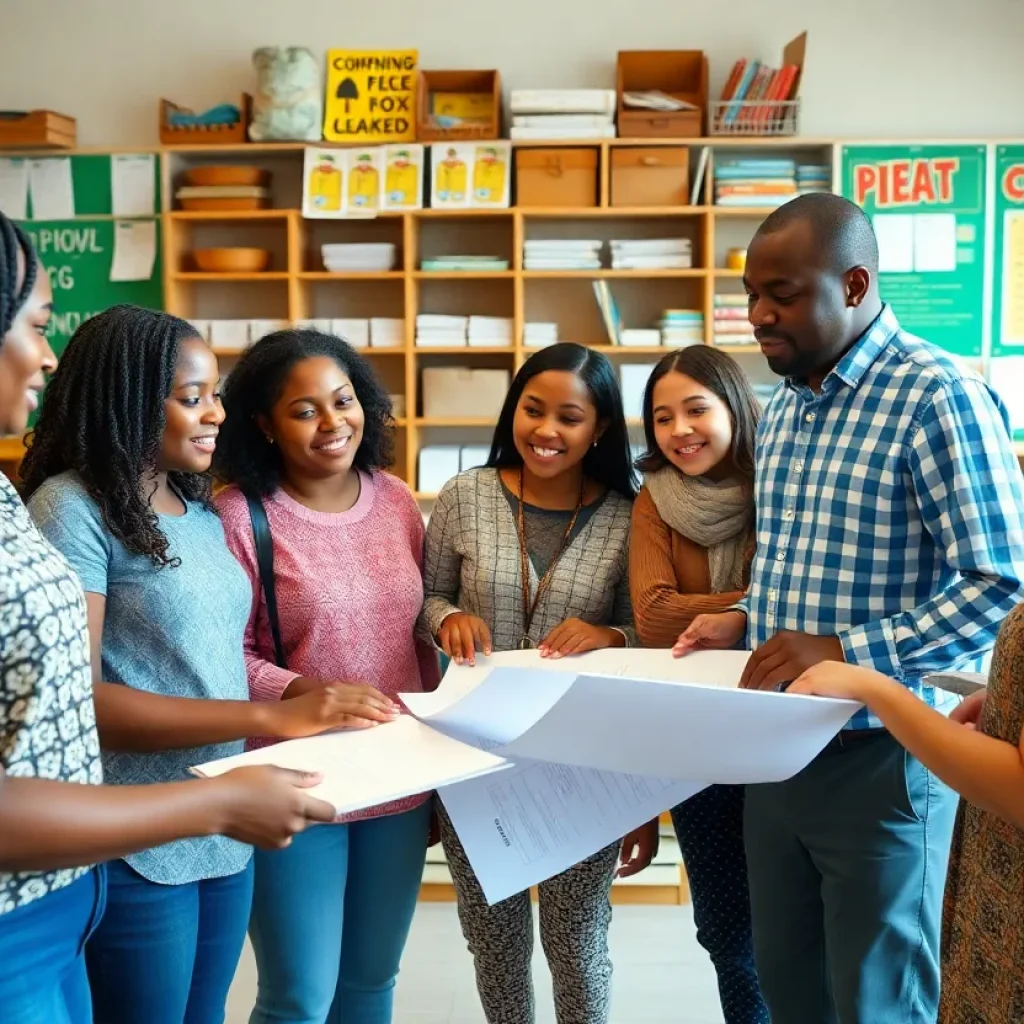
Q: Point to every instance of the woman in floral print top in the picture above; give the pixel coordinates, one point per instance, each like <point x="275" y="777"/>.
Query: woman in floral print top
<point x="55" y="820"/>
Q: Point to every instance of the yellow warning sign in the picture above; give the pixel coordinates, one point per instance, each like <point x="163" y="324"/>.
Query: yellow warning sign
<point x="371" y="96"/>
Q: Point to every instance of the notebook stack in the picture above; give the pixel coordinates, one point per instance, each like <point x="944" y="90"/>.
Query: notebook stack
<point x="755" y="182"/>
<point x="359" y="258"/>
<point x="563" y="114"/>
<point x="652" y="254"/>
<point x="731" y="323"/>
<point x="435" y="330"/>
<point x="387" y="332"/>
<point x="681" y="328"/>
<point x="464" y="264"/>
<point x="813" y="178"/>
<point x="490" y="332"/>
<point x="562" y="254"/>
<point x="540" y="335"/>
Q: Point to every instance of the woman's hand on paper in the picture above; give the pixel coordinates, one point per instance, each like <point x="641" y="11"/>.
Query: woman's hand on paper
<point x="462" y="635"/>
<point x="719" y="632"/>
<point x="787" y="656"/>
<point x="837" y="679"/>
<point x="574" y="636"/>
<point x="332" y="705"/>
<point x="265" y="806"/>
<point x="639" y="848"/>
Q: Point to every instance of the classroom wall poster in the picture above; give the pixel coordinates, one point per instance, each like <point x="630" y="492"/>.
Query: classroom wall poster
<point x="371" y="96"/>
<point x="927" y="205"/>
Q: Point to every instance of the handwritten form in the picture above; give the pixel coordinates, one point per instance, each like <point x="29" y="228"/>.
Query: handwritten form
<point x="542" y="763"/>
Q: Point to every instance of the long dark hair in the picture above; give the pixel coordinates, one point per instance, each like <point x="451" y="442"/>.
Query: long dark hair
<point x="12" y="242"/>
<point x="244" y="456"/>
<point x="609" y="462"/>
<point x="723" y="377"/>
<point x="103" y="417"/>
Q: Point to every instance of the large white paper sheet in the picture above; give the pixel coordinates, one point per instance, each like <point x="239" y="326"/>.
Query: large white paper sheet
<point x="531" y="822"/>
<point x="366" y="767"/>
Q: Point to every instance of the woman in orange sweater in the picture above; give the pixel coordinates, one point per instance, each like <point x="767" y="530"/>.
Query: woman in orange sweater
<point x="690" y="553"/>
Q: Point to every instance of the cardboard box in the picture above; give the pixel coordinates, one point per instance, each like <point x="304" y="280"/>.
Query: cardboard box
<point x="459" y="392"/>
<point x="556" y="177"/>
<point x="650" y="176"/>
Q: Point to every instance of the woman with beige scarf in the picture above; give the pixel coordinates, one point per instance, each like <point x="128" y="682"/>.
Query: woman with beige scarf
<point x="690" y="551"/>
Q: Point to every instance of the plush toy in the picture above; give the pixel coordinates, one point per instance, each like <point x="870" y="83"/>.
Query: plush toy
<point x="288" y="105"/>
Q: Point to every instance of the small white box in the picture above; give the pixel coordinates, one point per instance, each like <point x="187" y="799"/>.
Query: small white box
<point x="437" y="465"/>
<point x="323" y="326"/>
<point x="261" y="328"/>
<point x="229" y="335"/>
<point x="387" y="332"/>
<point x="202" y="328"/>
<point x="634" y="377"/>
<point x="355" y="332"/>
<point x="473" y="456"/>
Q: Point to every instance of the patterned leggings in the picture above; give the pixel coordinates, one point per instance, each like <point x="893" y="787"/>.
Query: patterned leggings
<point x="709" y="827"/>
<point x="575" y="912"/>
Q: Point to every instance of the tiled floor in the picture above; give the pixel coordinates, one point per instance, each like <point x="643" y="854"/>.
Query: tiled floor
<point x="661" y="975"/>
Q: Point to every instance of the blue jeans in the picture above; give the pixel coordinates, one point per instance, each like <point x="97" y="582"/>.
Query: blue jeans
<point x="847" y="863"/>
<point x="42" y="962"/>
<point x="330" y="917"/>
<point x="166" y="954"/>
<point x="709" y="827"/>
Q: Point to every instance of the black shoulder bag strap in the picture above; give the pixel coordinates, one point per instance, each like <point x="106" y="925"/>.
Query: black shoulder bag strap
<point x="265" y="561"/>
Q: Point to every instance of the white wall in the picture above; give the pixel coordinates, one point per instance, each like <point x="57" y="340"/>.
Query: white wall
<point x="881" y="68"/>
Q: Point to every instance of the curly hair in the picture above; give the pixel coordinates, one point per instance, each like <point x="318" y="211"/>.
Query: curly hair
<point x="103" y="417"/>
<point x="244" y="456"/>
<point x="12" y="242"/>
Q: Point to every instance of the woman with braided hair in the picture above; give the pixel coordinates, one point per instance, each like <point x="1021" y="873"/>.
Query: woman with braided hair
<point x="56" y="821"/>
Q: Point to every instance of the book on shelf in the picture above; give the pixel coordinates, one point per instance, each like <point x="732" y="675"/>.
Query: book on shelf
<point x="609" y="311"/>
<point x="750" y="82"/>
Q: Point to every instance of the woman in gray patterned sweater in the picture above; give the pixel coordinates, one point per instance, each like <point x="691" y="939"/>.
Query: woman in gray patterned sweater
<point x="552" y="507"/>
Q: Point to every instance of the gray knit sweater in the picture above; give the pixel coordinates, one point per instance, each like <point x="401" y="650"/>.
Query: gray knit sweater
<point x="472" y="565"/>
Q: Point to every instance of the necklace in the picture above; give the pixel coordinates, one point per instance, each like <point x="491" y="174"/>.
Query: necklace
<point x="530" y="607"/>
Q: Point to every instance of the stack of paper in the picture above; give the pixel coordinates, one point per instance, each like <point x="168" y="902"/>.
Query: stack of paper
<point x="563" y="113"/>
<point x="562" y="254"/>
<point x="355" y="331"/>
<point x="464" y="264"/>
<point x="323" y="326"/>
<point x="541" y="763"/>
<point x="435" y="330"/>
<point x="540" y="335"/>
<point x="731" y="322"/>
<point x="640" y="337"/>
<point x="387" y="332"/>
<point x="261" y="328"/>
<point x="652" y="254"/>
<point x="365" y="258"/>
<point x="490" y="332"/>
<point x="681" y="328"/>
<point x="227" y="336"/>
<point x="813" y="178"/>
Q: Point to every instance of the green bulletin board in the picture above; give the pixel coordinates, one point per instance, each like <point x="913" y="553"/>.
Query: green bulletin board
<point x="927" y="204"/>
<point x="92" y="184"/>
<point x="78" y="254"/>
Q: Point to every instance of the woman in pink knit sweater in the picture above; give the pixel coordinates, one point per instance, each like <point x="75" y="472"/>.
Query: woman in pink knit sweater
<point x="309" y="431"/>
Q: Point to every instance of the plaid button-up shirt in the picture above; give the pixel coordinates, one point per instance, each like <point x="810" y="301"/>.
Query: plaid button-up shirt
<point x="890" y="513"/>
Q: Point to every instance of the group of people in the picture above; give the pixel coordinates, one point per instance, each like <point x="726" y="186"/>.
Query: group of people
<point x="864" y="531"/>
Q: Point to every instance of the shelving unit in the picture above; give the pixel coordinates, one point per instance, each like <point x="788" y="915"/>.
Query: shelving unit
<point x="296" y="287"/>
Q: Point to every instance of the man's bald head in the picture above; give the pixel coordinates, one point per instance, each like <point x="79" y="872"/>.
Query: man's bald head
<point x="842" y="233"/>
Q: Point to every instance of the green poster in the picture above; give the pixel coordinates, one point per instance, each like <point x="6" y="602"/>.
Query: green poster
<point x="1008" y="271"/>
<point x="79" y="256"/>
<point x="927" y="204"/>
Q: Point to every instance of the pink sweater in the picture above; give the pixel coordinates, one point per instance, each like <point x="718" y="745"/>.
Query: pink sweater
<point x="349" y="591"/>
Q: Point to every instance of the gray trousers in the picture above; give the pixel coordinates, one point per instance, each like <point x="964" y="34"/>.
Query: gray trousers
<point x="575" y="912"/>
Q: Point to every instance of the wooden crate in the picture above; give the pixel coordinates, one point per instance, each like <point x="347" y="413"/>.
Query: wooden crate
<point x="472" y="83"/>
<point x="37" y="129"/>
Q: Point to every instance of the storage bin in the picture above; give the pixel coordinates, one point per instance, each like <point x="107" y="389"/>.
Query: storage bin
<point x="650" y="176"/>
<point x="459" y="392"/>
<point x="556" y="177"/>
<point x="681" y="74"/>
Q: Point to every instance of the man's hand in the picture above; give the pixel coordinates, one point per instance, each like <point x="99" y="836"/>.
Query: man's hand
<point x="786" y="657"/>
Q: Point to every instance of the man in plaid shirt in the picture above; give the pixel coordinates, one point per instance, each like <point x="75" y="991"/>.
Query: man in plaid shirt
<point x="890" y="533"/>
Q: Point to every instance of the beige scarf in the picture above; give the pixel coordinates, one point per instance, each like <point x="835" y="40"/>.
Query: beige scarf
<point x="717" y="516"/>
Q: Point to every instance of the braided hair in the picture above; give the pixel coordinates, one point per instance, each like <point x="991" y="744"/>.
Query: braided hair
<point x="244" y="457"/>
<point x="104" y="419"/>
<point x="12" y="297"/>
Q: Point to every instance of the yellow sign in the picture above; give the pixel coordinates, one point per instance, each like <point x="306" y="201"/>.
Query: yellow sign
<point x="371" y="96"/>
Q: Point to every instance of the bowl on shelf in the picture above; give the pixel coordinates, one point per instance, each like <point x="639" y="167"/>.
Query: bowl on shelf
<point x="225" y="175"/>
<point x="235" y="260"/>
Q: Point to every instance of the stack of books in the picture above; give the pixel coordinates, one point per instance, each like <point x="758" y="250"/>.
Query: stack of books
<point x="755" y="91"/>
<point x="755" y="182"/>
<point x="435" y="330"/>
<point x="490" y="332"/>
<point x="387" y="332"/>
<point x="681" y="328"/>
<point x="540" y="335"/>
<point x="640" y="337"/>
<point x="813" y="178"/>
<point x="563" y="114"/>
<point x="731" y="325"/>
<point x="464" y="264"/>
<point x="652" y="254"/>
<point x="562" y="254"/>
<point x="357" y="257"/>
